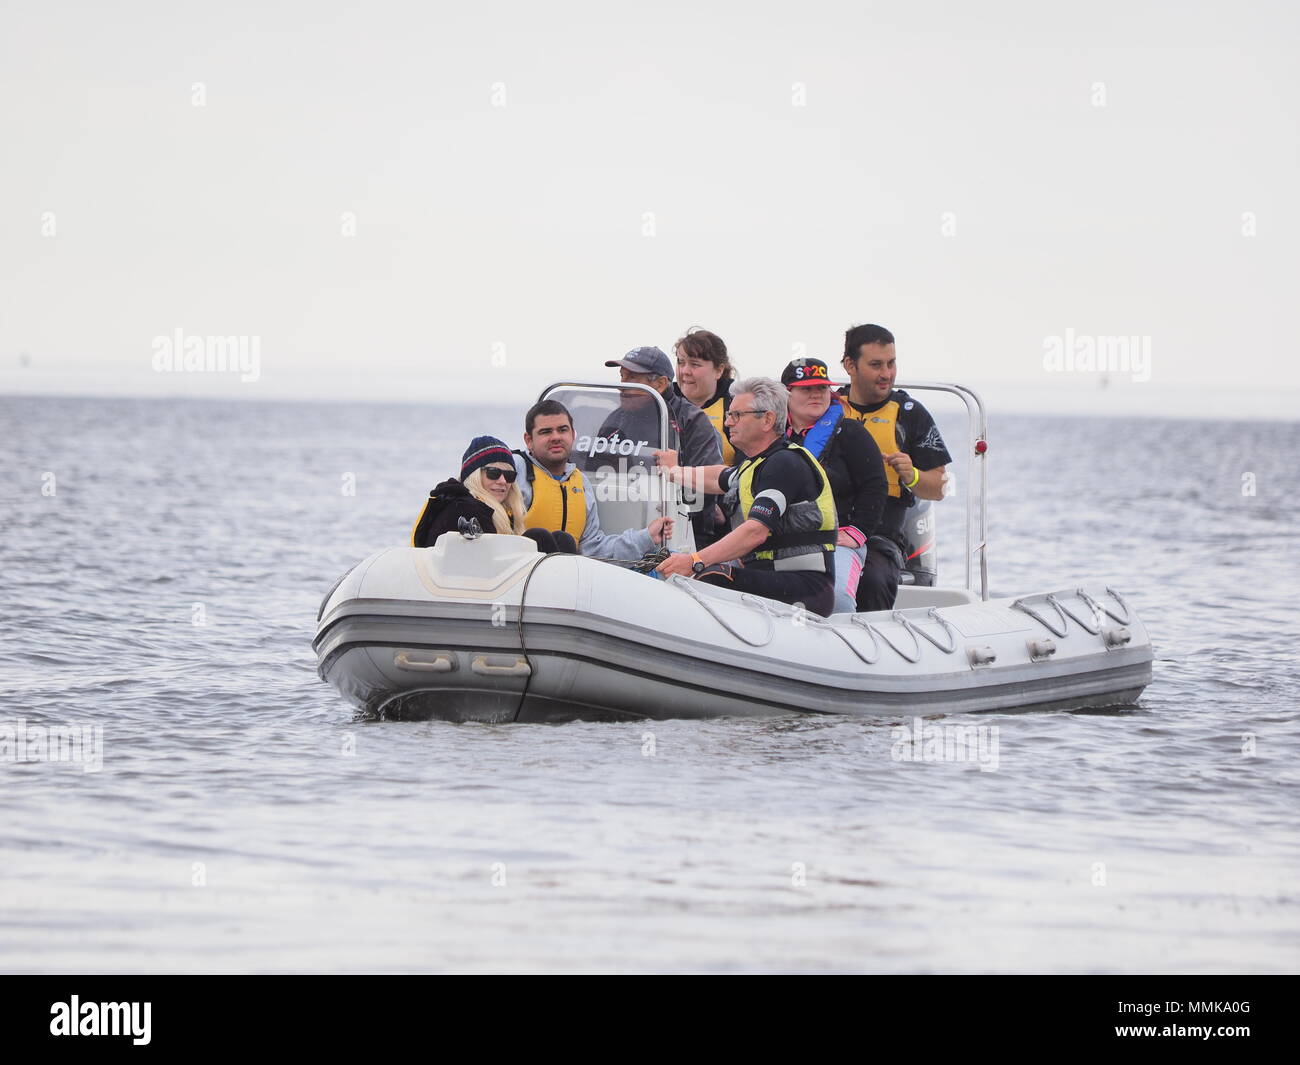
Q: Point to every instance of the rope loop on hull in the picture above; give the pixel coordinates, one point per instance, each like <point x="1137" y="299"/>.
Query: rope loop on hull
<point x="1127" y="619"/>
<point x="1022" y="606"/>
<point x="1061" y="608"/>
<point x="911" y="630"/>
<point x="818" y="622"/>
<point x="1093" y="627"/>
<point x="933" y="614"/>
<point x="750" y="600"/>
<point x="871" y="631"/>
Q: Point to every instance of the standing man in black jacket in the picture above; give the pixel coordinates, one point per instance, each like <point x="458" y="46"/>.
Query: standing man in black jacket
<point x="853" y="465"/>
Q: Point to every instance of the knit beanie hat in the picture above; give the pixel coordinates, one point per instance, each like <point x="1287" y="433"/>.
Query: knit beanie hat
<point x="481" y="451"/>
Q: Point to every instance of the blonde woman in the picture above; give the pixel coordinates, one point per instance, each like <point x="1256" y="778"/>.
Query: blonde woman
<point x="486" y="491"/>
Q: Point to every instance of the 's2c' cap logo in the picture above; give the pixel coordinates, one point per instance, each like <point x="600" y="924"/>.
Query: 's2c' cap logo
<point x="810" y="373"/>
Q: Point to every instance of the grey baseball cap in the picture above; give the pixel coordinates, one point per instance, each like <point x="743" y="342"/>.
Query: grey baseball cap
<point x="646" y="360"/>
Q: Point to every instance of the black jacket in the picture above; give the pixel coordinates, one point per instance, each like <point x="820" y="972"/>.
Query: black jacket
<point x="448" y="503"/>
<point x="856" y="470"/>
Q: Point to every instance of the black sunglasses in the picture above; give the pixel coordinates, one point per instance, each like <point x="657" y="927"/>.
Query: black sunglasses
<point x="495" y="473"/>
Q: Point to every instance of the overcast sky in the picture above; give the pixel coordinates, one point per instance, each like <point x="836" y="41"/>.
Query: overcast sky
<point x="423" y="201"/>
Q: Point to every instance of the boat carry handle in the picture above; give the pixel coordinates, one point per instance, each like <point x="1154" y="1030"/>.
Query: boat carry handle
<point x="438" y="663"/>
<point x="516" y="667"/>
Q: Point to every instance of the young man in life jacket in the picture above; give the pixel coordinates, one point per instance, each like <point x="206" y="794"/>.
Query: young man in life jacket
<point x="557" y="498"/>
<point x="914" y="453"/>
<point x="784" y="549"/>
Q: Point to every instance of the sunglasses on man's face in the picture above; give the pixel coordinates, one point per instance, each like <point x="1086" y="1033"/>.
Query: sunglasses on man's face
<point x="494" y="473"/>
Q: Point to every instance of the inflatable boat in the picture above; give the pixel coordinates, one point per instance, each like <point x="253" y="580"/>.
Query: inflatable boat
<point x="484" y="628"/>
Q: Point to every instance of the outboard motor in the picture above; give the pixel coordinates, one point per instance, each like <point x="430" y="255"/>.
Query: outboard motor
<point x="921" y="560"/>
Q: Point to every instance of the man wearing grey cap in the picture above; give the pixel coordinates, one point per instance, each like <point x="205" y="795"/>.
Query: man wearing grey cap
<point x="690" y="432"/>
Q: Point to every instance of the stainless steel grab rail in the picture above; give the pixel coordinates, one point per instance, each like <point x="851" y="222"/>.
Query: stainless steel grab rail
<point x="978" y="431"/>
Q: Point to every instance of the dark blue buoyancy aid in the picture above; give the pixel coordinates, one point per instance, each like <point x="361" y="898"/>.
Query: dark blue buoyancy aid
<point x="819" y="433"/>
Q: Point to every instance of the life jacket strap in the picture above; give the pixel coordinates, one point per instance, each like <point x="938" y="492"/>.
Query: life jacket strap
<point x="530" y="471"/>
<point x="812" y="538"/>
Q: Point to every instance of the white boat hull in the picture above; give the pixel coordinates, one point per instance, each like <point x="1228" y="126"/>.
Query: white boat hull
<point x="437" y="633"/>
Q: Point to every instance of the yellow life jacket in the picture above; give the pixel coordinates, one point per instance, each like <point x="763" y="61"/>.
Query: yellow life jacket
<point x="882" y="424"/>
<point x="559" y="506"/>
<point x="805" y="524"/>
<point x="716" y="409"/>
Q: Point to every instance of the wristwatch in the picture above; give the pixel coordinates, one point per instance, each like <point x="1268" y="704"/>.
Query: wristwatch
<point x="697" y="566"/>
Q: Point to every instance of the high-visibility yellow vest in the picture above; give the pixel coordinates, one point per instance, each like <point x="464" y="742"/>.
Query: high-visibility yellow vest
<point x="559" y="506"/>
<point x="804" y="524"/>
<point x="717" y="412"/>
<point x="882" y="424"/>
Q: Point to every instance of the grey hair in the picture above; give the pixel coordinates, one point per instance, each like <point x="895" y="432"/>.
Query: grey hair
<point x="768" y="395"/>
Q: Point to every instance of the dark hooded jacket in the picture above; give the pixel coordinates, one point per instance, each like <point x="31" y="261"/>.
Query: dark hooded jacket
<point x="447" y="504"/>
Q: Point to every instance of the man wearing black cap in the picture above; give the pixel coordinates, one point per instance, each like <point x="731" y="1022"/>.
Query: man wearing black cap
<point x="690" y="432"/>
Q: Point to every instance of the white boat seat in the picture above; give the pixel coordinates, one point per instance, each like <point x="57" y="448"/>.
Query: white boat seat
<point x="911" y="596"/>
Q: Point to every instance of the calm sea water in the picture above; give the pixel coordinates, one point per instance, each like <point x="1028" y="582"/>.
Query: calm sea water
<point x="161" y="566"/>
